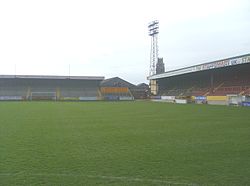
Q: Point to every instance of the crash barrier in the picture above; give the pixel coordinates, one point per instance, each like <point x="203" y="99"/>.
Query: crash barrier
<point x="181" y="101"/>
<point x="212" y="100"/>
<point x="11" y="98"/>
<point x="245" y="104"/>
<point x="200" y="99"/>
<point x="88" y="98"/>
<point x="170" y="99"/>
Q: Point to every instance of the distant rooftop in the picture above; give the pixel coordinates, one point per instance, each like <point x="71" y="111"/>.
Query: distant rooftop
<point x="116" y="82"/>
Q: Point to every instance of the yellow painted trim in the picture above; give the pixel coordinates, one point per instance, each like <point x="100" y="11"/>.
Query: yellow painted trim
<point x="217" y="98"/>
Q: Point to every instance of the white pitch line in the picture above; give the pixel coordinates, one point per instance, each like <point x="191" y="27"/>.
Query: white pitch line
<point x="11" y="174"/>
<point x="103" y="177"/>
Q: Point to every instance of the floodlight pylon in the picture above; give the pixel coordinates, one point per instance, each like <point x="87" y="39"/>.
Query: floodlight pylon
<point x="153" y="31"/>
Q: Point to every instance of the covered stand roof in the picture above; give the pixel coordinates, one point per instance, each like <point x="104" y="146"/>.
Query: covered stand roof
<point x="238" y="60"/>
<point x="100" y="78"/>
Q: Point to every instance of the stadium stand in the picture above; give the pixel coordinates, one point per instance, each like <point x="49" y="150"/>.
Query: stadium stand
<point x="141" y="91"/>
<point x="49" y="87"/>
<point x="217" y="78"/>
<point x="118" y="89"/>
<point x="26" y="87"/>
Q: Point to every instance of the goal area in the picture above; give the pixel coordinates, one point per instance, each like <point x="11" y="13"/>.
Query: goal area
<point x="43" y="96"/>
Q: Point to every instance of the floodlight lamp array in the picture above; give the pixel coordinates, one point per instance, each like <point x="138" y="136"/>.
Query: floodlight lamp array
<point x="153" y="28"/>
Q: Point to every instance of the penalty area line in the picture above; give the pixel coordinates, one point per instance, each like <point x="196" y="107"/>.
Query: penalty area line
<point x="122" y="178"/>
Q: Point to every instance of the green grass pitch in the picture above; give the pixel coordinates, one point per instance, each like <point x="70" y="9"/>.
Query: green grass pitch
<point x="123" y="143"/>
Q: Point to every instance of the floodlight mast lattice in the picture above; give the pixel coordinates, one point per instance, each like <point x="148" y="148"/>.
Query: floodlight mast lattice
<point x="153" y="31"/>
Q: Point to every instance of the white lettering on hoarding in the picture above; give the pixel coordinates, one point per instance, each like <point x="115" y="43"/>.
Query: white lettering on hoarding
<point x="246" y="59"/>
<point x="224" y="63"/>
<point x="207" y="66"/>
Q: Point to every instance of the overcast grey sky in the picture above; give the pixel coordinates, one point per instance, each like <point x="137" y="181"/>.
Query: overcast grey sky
<point x="110" y="38"/>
